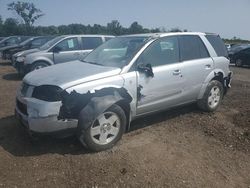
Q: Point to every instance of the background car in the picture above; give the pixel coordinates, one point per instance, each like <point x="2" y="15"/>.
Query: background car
<point x="11" y="41"/>
<point x="1" y="38"/>
<point x="30" y="43"/>
<point x="236" y="48"/>
<point x="241" y="57"/>
<point x="60" y="50"/>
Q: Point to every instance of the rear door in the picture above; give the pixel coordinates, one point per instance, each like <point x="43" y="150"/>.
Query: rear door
<point x="196" y="65"/>
<point x="89" y="43"/>
<point x="69" y="49"/>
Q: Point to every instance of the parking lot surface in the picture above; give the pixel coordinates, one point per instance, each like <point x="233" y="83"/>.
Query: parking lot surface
<point x="183" y="147"/>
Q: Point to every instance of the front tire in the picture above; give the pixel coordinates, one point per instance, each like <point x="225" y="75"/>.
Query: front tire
<point x="106" y="130"/>
<point x="212" y="96"/>
<point x="39" y="65"/>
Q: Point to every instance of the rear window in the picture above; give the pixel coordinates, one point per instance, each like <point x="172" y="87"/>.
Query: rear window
<point x="217" y="44"/>
<point x="192" y="47"/>
<point x="89" y="43"/>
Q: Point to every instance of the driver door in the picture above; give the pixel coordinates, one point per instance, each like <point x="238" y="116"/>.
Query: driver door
<point x="164" y="89"/>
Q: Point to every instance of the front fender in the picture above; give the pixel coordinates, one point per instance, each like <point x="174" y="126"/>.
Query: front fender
<point x="88" y="106"/>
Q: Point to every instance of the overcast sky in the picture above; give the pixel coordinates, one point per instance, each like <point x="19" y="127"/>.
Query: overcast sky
<point x="228" y="18"/>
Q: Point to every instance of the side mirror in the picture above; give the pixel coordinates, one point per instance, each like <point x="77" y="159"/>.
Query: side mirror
<point x="147" y="69"/>
<point x="56" y="49"/>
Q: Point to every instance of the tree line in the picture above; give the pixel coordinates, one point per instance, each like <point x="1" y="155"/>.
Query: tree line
<point x="29" y="14"/>
<point x="12" y="26"/>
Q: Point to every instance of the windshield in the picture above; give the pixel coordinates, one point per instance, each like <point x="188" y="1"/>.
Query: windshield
<point x="116" y="52"/>
<point x="50" y="43"/>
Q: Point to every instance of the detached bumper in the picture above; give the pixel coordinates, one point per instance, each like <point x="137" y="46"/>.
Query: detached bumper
<point x="41" y="117"/>
<point x="228" y="79"/>
<point x="227" y="82"/>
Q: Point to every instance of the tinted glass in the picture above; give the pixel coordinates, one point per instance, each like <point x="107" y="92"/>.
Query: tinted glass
<point x="192" y="48"/>
<point x="50" y="43"/>
<point x="69" y="44"/>
<point x="218" y="45"/>
<point x="161" y="52"/>
<point x="37" y="42"/>
<point x="89" y="43"/>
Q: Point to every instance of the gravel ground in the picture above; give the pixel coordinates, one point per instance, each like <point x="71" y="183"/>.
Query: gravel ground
<point x="183" y="147"/>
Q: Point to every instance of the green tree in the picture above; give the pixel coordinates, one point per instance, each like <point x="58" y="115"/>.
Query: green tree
<point x="135" y="28"/>
<point x="1" y="26"/>
<point x="10" y="27"/>
<point x="114" y="28"/>
<point x="26" y="11"/>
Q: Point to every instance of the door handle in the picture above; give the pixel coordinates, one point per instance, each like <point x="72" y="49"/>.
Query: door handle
<point x="77" y="53"/>
<point x="176" y="72"/>
<point x="208" y="66"/>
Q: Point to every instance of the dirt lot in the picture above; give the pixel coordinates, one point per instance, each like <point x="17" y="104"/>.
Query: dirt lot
<point x="179" y="148"/>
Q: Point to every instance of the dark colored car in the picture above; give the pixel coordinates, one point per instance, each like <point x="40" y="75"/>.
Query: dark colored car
<point x="31" y="43"/>
<point x="13" y="40"/>
<point x="1" y="38"/>
<point x="241" y="56"/>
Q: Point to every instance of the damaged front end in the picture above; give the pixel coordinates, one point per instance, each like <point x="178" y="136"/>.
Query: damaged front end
<point x="38" y="110"/>
<point x="47" y="109"/>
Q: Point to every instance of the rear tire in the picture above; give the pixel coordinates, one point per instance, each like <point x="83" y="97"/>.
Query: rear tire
<point x="212" y="96"/>
<point x="106" y="130"/>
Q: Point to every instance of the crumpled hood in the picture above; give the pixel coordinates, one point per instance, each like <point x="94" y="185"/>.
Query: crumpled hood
<point x="69" y="74"/>
<point x="26" y="52"/>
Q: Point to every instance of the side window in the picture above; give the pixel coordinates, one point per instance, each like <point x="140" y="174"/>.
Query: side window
<point x="89" y="43"/>
<point x="161" y="52"/>
<point x="69" y="44"/>
<point x="12" y="41"/>
<point x="36" y="42"/>
<point x="192" y="47"/>
<point x="218" y="45"/>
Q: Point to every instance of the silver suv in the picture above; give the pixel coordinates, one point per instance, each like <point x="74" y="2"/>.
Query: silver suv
<point x="59" y="50"/>
<point x="125" y="78"/>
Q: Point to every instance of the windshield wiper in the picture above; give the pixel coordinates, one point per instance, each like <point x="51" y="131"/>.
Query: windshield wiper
<point x="93" y="63"/>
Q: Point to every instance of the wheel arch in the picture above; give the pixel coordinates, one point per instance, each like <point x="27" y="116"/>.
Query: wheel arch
<point x="217" y="74"/>
<point x="43" y="61"/>
<point x="86" y="107"/>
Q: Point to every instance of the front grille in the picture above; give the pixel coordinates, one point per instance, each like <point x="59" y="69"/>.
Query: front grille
<point x="24" y="88"/>
<point x="22" y="107"/>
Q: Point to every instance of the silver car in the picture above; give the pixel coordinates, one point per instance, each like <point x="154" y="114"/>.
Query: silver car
<point x="123" y="79"/>
<point x="59" y="50"/>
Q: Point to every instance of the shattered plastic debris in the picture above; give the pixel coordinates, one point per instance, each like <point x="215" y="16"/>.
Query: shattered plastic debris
<point x="73" y="103"/>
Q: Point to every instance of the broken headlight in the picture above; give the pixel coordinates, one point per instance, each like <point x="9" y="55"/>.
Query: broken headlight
<point x="48" y="93"/>
<point x="20" y="59"/>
